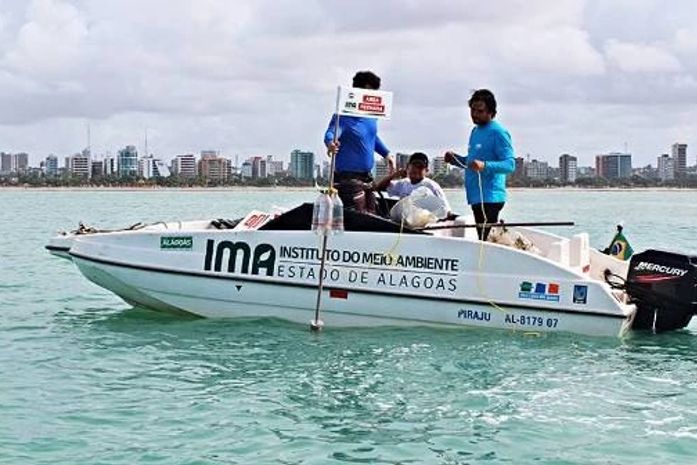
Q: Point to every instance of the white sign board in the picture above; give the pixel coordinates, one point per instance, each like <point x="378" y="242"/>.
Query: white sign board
<point x="364" y="102"/>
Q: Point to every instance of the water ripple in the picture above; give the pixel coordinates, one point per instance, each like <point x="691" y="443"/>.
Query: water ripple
<point x="84" y="378"/>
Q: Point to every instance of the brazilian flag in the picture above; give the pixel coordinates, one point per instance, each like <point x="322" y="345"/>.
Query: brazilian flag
<point x="619" y="247"/>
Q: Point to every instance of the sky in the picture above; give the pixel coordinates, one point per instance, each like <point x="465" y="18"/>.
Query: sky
<point x="259" y="77"/>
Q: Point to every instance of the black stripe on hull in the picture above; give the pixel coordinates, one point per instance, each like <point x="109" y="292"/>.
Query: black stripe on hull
<point x="55" y="248"/>
<point x="349" y="289"/>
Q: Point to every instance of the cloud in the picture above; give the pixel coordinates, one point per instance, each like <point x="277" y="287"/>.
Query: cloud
<point x="685" y="41"/>
<point x="640" y="58"/>
<point x="50" y="42"/>
<point x="562" y="50"/>
<point x="260" y="77"/>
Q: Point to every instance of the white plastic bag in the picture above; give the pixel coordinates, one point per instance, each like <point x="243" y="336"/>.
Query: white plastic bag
<point x="419" y="208"/>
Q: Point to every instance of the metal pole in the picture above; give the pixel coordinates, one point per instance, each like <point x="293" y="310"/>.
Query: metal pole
<point x="499" y="225"/>
<point x="316" y="324"/>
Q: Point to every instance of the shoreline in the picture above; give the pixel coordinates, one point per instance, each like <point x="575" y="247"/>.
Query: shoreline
<point x="154" y="189"/>
<point x="308" y="189"/>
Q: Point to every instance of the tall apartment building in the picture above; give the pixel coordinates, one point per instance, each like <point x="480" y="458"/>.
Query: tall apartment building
<point x="51" y="166"/>
<point x="151" y="167"/>
<point x="439" y="166"/>
<point x="5" y="162"/>
<point x="213" y="167"/>
<point x="613" y="165"/>
<point x="97" y="168"/>
<point x="20" y="162"/>
<point x="302" y="164"/>
<point x="128" y="162"/>
<point x="110" y="166"/>
<point x="568" y="165"/>
<point x="259" y="168"/>
<point x="537" y="169"/>
<point x="14" y="163"/>
<point x="679" y="154"/>
<point x="401" y="160"/>
<point x="246" y="170"/>
<point x="79" y="164"/>
<point x="184" y="166"/>
<point x="273" y="167"/>
<point x="666" y="168"/>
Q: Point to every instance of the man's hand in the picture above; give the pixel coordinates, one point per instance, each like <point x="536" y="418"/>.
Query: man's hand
<point x="477" y="165"/>
<point x="399" y="174"/>
<point x="332" y="148"/>
<point x="391" y="165"/>
<point x="449" y="157"/>
<point x="382" y="184"/>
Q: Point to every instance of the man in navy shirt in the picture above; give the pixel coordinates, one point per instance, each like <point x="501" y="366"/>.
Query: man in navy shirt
<point x="354" y="149"/>
<point x="489" y="159"/>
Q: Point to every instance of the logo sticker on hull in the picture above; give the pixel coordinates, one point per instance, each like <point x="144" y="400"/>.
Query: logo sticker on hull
<point x="176" y="242"/>
<point x="539" y="291"/>
<point x="580" y="294"/>
<point x="239" y="257"/>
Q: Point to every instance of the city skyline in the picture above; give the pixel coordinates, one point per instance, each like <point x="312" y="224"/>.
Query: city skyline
<point x="687" y="159"/>
<point x="580" y="77"/>
<point x="213" y="166"/>
<point x="587" y="159"/>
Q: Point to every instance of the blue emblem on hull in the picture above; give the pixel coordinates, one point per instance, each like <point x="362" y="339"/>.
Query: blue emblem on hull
<point x="580" y="294"/>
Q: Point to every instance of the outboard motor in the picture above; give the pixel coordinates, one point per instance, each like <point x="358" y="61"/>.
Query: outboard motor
<point x="663" y="285"/>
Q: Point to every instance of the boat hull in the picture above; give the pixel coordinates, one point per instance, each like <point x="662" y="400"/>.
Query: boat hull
<point x="199" y="282"/>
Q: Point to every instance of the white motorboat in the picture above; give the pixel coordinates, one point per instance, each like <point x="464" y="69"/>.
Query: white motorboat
<point x="380" y="273"/>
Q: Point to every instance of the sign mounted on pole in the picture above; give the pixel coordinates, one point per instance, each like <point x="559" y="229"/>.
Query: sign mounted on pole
<point x="364" y="102"/>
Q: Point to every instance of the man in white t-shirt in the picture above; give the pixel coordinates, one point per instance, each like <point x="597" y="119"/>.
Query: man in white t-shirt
<point x="413" y="177"/>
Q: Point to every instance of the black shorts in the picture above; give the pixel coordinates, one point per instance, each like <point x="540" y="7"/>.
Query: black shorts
<point x="356" y="191"/>
<point x="490" y="214"/>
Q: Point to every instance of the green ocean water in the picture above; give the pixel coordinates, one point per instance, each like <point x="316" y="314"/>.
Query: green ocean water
<point x="86" y="379"/>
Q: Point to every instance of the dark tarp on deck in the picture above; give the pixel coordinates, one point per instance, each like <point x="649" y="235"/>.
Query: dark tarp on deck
<point x="300" y="219"/>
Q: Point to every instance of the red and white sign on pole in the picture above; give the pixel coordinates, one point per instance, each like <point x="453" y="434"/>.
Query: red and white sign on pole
<point x="364" y="102"/>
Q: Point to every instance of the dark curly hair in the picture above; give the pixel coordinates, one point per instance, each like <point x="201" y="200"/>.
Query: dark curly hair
<point x="486" y="96"/>
<point x="366" y="80"/>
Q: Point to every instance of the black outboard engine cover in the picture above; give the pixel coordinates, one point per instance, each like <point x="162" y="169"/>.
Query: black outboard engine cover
<point x="663" y="285"/>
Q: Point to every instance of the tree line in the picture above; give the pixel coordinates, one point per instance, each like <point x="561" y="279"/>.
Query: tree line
<point x="446" y="180"/>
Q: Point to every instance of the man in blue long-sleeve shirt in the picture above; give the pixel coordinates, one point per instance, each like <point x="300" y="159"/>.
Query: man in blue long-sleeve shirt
<point x="490" y="158"/>
<point x="354" y="148"/>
